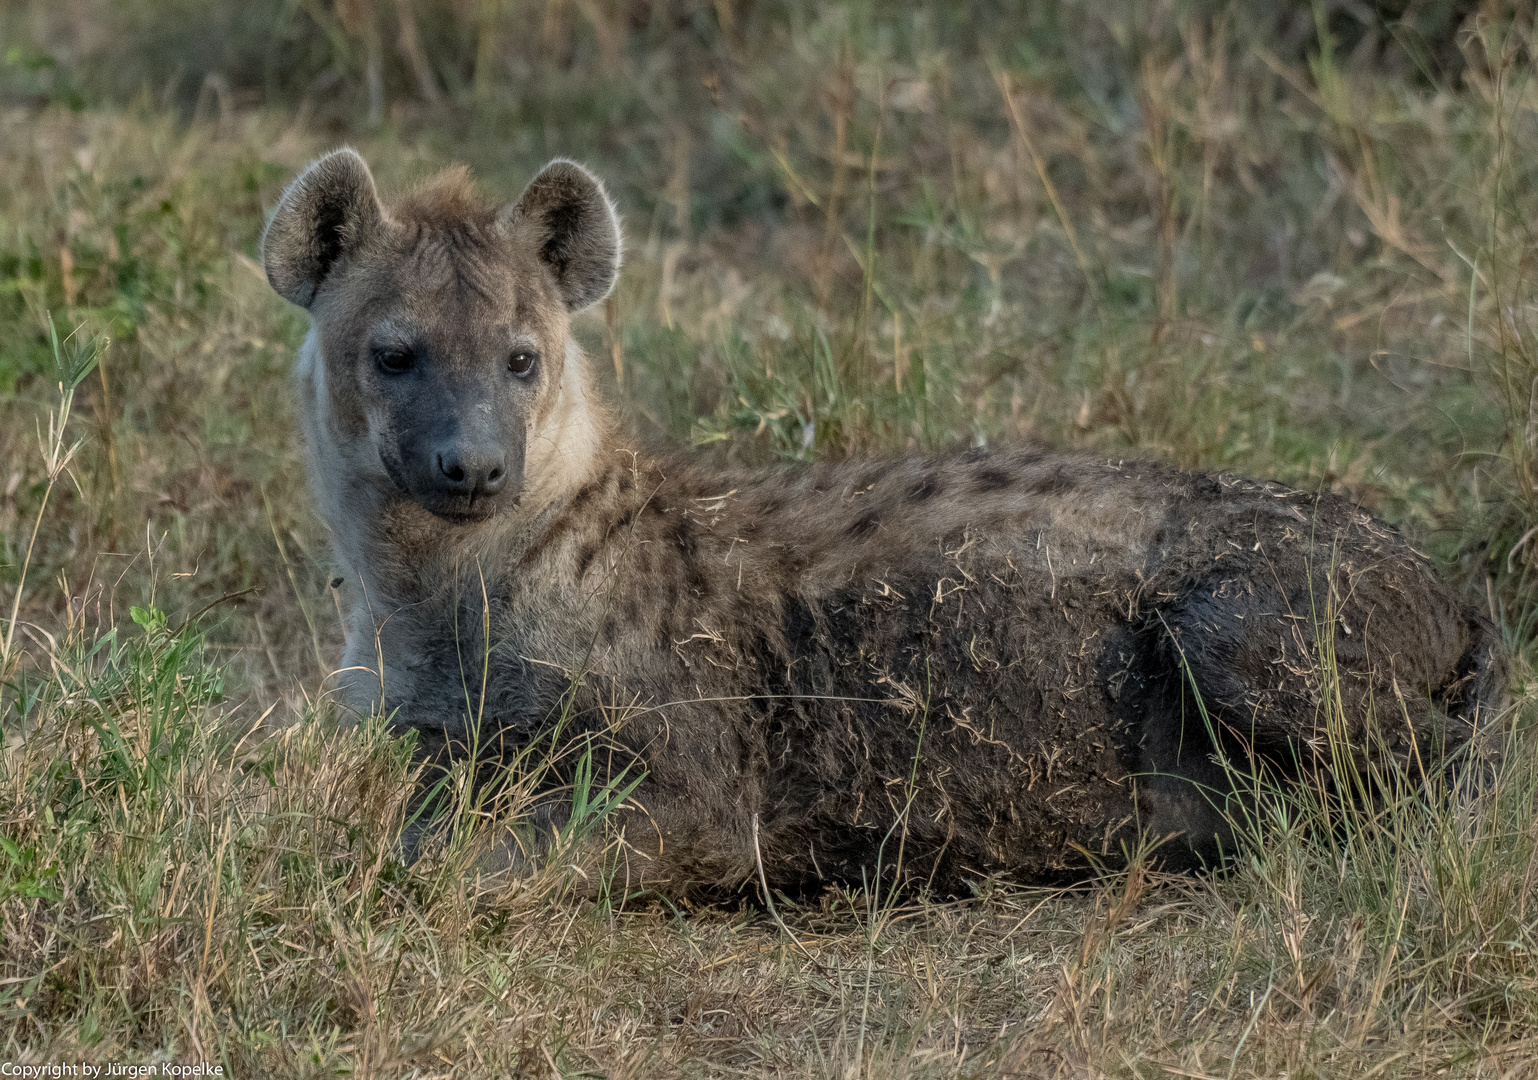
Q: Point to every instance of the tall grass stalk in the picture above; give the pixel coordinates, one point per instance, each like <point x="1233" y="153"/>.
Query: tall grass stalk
<point x="74" y="359"/>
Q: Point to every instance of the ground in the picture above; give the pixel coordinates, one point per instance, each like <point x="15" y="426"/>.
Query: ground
<point x="1286" y="240"/>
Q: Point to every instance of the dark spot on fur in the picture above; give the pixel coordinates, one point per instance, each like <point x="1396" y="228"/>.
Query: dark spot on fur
<point x="584" y="496"/>
<point x="866" y="524"/>
<point x="799" y="628"/>
<point x="1056" y="482"/>
<point x="524" y="307"/>
<point x="793" y="561"/>
<point x="1201" y="486"/>
<point x="683" y="539"/>
<point x="560" y="528"/>
<point x="689" y="553"/>
<point x="674" y="622"/>
<point x="585" y="558"/>
<point x="772" y="506"/>
<point x="537" y="548"/>
<point x="926" y="488"/>
<point x="626" y="481"/>
<point x="993" y="479"/>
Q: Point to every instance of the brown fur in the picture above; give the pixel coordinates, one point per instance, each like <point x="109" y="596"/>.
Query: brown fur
<point x="447" y="201"/>
<point x="990" y="663"/>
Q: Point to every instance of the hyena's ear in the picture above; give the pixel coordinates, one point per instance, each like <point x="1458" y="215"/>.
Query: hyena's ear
<point x="326" y="214"/>
<point x="567" y="217"/>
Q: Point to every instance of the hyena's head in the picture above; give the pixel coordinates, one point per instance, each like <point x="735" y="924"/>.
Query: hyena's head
<point x="443" y="322"/>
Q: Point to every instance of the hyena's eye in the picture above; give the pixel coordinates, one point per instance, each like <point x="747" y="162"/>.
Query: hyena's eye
<point x="521" y="362"/>
<point x="395" y="359"/>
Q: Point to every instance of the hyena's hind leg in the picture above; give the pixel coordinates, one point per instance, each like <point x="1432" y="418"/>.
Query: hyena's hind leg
<point x="1240" y="678"/>
<point x="1362" y="669"/>
<point x="1478" y="696"/>
<point x="1185" y="788"/>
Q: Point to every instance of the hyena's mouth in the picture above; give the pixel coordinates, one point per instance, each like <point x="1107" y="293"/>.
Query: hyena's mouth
<point x="461" y="509"/>
<point x="464" y="511"/>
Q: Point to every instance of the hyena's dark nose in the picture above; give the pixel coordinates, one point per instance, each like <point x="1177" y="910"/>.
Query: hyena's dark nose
<point x="475" y="473"/>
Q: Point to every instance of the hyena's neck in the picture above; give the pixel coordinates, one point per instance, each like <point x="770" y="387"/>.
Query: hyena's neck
<point x="566" y="447"/>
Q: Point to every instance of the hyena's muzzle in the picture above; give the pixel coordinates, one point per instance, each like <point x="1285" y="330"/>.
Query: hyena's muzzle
<point x="453" y="451"/>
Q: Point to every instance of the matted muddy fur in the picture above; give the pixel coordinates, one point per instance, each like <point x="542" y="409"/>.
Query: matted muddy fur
<point x="994" y="661"/>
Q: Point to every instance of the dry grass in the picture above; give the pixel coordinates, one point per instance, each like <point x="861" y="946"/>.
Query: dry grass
<point x="1150" y="228"/>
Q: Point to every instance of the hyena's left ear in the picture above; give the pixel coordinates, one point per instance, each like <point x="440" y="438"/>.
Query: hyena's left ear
<point x="570" y="221"/>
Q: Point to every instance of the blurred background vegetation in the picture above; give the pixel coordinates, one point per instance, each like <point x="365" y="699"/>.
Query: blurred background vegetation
<point x="1290" y="238"/>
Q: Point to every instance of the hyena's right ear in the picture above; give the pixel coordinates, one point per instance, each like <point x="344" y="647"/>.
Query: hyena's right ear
<point x="327" y="213"/>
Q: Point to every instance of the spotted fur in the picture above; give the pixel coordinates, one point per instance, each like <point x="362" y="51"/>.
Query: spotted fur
<point x="992" y="662"/>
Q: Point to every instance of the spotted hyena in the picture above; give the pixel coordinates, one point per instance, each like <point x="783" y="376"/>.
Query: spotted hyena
<point x="1007" y="658"/>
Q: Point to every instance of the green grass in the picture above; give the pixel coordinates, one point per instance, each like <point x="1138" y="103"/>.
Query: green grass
<point x="1190" y="230"/>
